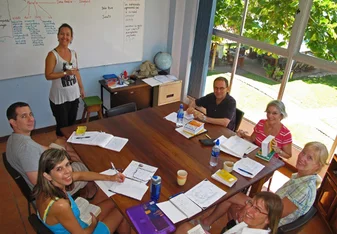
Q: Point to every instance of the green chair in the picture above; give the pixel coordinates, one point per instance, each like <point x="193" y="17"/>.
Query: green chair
<point x="92" y="104"/>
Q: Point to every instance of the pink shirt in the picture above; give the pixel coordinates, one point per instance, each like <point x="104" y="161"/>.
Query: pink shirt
<point x="282" y="138"/>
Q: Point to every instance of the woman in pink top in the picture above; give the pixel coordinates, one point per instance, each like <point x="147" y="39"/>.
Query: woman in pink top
<point x="276" y="111"/>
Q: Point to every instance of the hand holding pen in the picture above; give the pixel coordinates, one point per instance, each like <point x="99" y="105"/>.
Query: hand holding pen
<point x="118" y="177"/>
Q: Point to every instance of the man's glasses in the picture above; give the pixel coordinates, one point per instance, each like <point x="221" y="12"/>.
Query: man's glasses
<point x="219" y="88"/>
<point x="26" y="115"/>
<point x="249" y="204"/>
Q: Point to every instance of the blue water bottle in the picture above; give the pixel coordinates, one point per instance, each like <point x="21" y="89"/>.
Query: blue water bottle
<point x="155" y="188"/>
<point x="180" y="116"/>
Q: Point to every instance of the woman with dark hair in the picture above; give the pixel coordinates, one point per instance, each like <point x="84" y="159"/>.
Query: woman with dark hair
<point x="62" y="69"/>
<point x="260" y="215"/>
<point x="276" y="111"/>
<point x="56" y="208"/>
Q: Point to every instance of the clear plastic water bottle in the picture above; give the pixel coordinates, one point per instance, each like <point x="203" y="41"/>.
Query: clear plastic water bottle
<point x="155" y="188"/>
<point x="180" y="116"/>
<point x="215" y="154"/>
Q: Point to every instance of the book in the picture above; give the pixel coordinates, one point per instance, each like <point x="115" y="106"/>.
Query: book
<point x="101" y="139"/>
<point x="266" y="158"/>
<point x="267" y="145"/>
<point x="186" y="205"/>
<point x="224" y="177"/>
<point x="85" y="208"/>
<point x="236" y="146"/>
<point x="148" y="218"/>
<point x="193" y="127"/>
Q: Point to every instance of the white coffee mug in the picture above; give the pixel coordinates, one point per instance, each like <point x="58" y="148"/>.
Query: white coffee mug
<point x="228" y="166"/>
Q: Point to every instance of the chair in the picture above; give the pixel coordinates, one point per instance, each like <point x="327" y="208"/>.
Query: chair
<point x="20" y="181"/>
<point x="238" y="118"/>
<point x="298" y="222"/>
<point x="92" y="104"/>
<point x="122" y="109"/>
<point x="38" y="225"/>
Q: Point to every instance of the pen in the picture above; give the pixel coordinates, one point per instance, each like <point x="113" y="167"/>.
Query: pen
<point x="208" y="136"/>
<point x="176" y="194"/>
<point x="245" y="171"/>
<point x="115" y="169"/>
<point x="82" y="137"/>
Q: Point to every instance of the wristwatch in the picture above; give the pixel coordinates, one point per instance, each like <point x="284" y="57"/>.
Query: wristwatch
<point x="64" y="73"/>
<point x="204" y="118"/>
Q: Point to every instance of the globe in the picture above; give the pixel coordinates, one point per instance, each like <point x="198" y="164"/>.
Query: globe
<point x="163" y="60"/>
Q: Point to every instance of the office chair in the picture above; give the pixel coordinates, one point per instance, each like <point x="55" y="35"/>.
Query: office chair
<point x="20" y="181"/>
<point x="298" y="222"/>
<point x="238" y="119"/>
<point x="122" y="109"/>
<point x="38" y="225"/>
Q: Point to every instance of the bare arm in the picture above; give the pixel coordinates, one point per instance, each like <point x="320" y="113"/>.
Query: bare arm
<point x="49" y="68"/>
<point x="62" y="212"/>
<point x="288" y="207"/>
<point x="90" y="176"/>
<point x="79" y="79"/>
<point x="218" y="121"/>
<point x="285" y="151"/>
<point x="244" y="135"/>
<point x="32" y="176"/>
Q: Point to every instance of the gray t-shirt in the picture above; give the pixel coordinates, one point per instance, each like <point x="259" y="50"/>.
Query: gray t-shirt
<point x="23" y="154"/>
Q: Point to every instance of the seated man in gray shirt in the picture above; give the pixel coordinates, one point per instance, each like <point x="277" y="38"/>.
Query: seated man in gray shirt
<point x="23" y="153"/>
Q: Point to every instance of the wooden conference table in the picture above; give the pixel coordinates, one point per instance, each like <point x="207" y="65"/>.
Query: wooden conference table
<point x="154" y="141"/>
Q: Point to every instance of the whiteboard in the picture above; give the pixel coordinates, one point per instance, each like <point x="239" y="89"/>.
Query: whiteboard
<point x="105" y="32"/>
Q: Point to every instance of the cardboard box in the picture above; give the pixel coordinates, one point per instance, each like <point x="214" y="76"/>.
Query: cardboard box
<point x="266" y="145"/>
<point x="167" y="93"/>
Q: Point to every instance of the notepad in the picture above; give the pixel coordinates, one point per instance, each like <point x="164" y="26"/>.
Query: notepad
<point x="129" y="188"/>
<point x="224" y="177"/>
<point x="248" y="165"/>
<point x="186" y="205"/>
<point x="101" y="139"/>
<point x="139" y="171"/>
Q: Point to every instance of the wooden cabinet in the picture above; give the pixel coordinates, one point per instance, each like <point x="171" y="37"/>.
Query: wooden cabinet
<point x="138" y="92"/>
<point x="327" y="197"/>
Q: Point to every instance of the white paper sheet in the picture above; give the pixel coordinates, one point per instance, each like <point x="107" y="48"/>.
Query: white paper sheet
<point x="165" y="78"/>
<point x="171" y="211"/>
<point x="196" y="230"/>
<point x="205" y="194"/>
<point x="152" y="82"/>
<point x="173" y="117"/>
<point x="248" y="165"/>
<point x="130" y="188"/>
<point x="139" y="171"/>
<point x="116" y="143"/>
<point x="105" y="185"/>
<point x="185" y="205"/>
<point x="250" y="147"/>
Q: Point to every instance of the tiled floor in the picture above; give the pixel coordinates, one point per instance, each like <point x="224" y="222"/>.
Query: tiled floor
<point x="14" y="212"/>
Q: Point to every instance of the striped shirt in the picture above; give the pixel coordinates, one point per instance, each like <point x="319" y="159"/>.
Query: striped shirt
<point x="282" y="138"/>
<point x="300" y="191"/>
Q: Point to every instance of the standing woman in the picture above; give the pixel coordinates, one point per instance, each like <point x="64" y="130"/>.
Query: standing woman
<point x="62" y="69"/>
<point x="276" y="111"/>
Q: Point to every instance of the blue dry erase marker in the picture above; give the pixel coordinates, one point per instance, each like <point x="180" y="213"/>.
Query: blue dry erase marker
<point x="245" y="171"/>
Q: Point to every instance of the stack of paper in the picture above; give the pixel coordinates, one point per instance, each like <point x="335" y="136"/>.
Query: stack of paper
<point x="100" y="139"/>
<point x="173" y="117"/>
<point x="248" y="167"/>
<point x="193" y="127"/>
<point x="236" y="146"/>
<point x="161" y="79"/>
<point x="224" y="177"/>
<point x="186" y="205"/>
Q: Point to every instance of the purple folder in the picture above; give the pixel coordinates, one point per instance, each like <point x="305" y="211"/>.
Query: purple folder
<point x="148" y="218"/>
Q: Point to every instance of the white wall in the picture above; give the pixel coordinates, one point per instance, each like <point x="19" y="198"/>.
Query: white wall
<point x="35" y="89"/>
